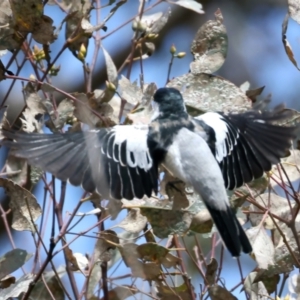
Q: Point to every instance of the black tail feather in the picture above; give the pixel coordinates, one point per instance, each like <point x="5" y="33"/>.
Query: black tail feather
<point x="231" y="231"/>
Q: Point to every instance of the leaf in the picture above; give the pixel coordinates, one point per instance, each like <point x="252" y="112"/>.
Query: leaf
<point x="263" y="248"/>
<point x="43" y="32"/>
<point x="207" y="92"/>
<point x="112" y="76"/>
<point x="190" y="4"/>
<point x="12" y="261"/>
<point x="79" y="45"/>
<point x="152" y="252"/>
<point x="35" y="106"/>
<point x="62" y="115"/>
<point x="121" y="292"/>
<point x="202" y="222"/>
<point x="134" y="222"/>
<point x="217" y="292"/>
<point x="146" y="22"/>
<point x="89" y="28"/>
<point x="21" y="286"/>
<point x="104" y="252"/>
<point x="160" y="23"/>
<point x="2" y="71"/>
<point x="106" y="241"/>
<point x="271" y="283"/>
<point x="143" y="113"/>
<point x="41" y="291"/>
<point x="130" y="91"/>
<point x="20" y="201"/>
<point x="89" y="111"/>
<point x="286" y="44"/>
<point x="167" y="292"/>
<point x="209" y="46"/>
<point x="16" y="169"/>
<point x="112" y="72"/>
<point x="146" y="271"/>
<point x="26" y="14"/>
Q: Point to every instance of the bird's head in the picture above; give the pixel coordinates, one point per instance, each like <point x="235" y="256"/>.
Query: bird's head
<point x="167" y="102"/>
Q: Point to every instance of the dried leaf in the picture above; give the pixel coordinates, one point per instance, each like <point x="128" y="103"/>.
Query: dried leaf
<point x="21" y="286"/>
<point x="209" y="46"/>
<point x="20" y="201"/>
<point x="286" y="44"/>
<point x="207" y="92"/>
<point x="263" y="248"/>
<point x="190" y="4"/>
<point x="134" y="222"/>
<point x="211" y="271"/>
<point x="12" y="261"/>
<point x="7" y="282"/>
<point x="252" y="94"/>
<point x="217" y="292"/>
<point x="81" y="264"/>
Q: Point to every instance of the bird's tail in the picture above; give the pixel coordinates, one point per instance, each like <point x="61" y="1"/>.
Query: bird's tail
<point x="231" y="231"/>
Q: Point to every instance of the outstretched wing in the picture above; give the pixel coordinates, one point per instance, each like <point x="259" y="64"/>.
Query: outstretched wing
<point x="248" y="144"/>
<point x="116" y="162"/>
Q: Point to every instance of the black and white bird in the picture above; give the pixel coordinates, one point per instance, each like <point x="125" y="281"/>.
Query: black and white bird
<point x="212" y="152"/>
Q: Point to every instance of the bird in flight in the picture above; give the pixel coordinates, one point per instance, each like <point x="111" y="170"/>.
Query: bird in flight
<point x="212" y="152"/>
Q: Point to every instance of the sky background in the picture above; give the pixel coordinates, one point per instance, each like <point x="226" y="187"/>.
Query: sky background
<point x="255" y="54"/>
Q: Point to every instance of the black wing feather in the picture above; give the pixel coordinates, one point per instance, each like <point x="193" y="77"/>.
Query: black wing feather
<point x="90" y="159"/>
<point x="257" y="143"/>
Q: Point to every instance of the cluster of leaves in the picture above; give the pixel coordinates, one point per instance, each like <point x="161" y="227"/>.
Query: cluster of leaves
<point x="157" y="221"/>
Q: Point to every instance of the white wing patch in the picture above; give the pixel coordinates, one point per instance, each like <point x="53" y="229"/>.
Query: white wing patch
<point x="216" y="122"/>
<point x="137" y="152"/>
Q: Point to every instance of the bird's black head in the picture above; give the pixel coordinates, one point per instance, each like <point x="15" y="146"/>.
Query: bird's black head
<point x="168" y="101"/>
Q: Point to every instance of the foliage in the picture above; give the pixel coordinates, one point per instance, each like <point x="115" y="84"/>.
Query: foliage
<point x="151" y="240"/>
